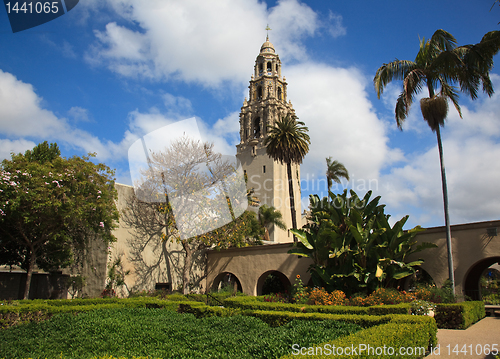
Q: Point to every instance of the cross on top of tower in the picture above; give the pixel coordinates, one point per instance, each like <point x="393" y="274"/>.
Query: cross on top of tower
<point x="267" y="29"/>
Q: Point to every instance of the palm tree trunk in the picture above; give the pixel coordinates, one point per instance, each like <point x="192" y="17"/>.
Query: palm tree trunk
<point x="292" y="199"/>
<point x="446" y="214"/>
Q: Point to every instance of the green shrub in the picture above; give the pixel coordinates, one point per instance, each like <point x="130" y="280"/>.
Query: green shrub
<point x="22" y="311"/>
<point x="401" y="332"/>
<point x="277" y="318"/>
<point x="459" y="315"/>
<point x="255" y="304"/>
<point x="162" y="334"/>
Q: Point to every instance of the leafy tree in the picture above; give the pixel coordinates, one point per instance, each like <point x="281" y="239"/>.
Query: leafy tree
<point x="352" y="245"/>
<point x="269" y="216"/>
<point x="50" y="206"/>
<point x="288" y="142"/>
<point x="441" y="66"/>
<point x="43" y="152"/>
<point x="335" y="171"/>
<point x="177" y="203"/>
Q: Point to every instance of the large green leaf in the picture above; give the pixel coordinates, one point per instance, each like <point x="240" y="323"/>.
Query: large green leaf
<point x="302" y="237"/>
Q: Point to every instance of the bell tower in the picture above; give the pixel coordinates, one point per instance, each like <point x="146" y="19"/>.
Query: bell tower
<point x="267" y="102"/>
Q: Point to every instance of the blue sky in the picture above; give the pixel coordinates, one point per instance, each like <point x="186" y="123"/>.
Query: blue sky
<point x="110" y="71"/>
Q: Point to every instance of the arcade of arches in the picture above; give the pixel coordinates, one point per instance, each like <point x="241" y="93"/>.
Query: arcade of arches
<point x="476" y="246"/>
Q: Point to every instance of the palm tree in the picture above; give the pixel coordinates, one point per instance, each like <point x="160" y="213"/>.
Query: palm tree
<point x="334" y="172"/>
<point x="269" y="216"/>
<point x="288" y="142"/>
<point x="440" y="66"/>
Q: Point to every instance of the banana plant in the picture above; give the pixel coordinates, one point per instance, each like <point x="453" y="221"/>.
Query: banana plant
<point x="397" y="246"/>
<point x="352" y="245"/>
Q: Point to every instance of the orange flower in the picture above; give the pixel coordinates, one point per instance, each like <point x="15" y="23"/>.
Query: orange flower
<point x="298" y="276"/>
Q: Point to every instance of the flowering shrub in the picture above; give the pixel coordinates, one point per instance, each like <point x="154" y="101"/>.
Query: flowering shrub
<point x="108" y="293"/>
<point x="299" y="293"/>
<point x="276" y="297"/>
<point x="319" y="296"/>
<point x="357" y="301"/>
<point x="382" y="296"/>
<point x="390" y="296"/>
<point x="422" y="307"/>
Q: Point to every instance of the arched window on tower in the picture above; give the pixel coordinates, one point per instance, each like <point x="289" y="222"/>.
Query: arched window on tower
<point x="261" y="68"/>
<point x="269" y="67"/>
<point x="276" y="68"/>
<point x="259" y="93"/>
<point x="280" y="98"/>
<point x="256" y="127"/>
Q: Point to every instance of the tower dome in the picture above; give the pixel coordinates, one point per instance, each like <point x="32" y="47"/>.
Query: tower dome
<point x="267" y="46"/>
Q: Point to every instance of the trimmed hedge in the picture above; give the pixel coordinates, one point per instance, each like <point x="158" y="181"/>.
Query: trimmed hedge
<point x="459" y="315"/>
<point x="448" y="316"/>
<point x="24" y="311"/>
<point x="395" y="330"/>
<point x="418" y="335"/>
<point x="162" y="333"/>
<point x="255" y="304"/>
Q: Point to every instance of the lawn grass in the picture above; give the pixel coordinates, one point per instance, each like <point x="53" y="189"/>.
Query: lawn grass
<point x="160" y="333"/>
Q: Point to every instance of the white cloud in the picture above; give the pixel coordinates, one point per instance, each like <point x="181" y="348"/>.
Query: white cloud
<point x="336" y="28"/>
<point x="7" y="147"/>
<point x="205" y="42"/>
<point x="333" y="103"/>
<point x="22" y="116"/>
<point x="20" y="110"/>
<point x="79" y="114"/>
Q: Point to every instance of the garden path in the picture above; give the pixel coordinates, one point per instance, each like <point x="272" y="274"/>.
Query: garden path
<point x="478" y="336"/>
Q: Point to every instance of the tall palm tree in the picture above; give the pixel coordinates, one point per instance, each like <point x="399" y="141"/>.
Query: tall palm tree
<point x="269" y="216"/>
<point x="334" y="172"/>
<point x="440" y="66"/>
<point x="288" y="142"/>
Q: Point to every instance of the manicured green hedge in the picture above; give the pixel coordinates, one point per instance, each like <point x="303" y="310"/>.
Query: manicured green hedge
<point x="162" y="333"/>
<point x="23" y="311"/>
<point x="394" y="330"/>
<point x="380" y="339"/>
<point x="448" y="316"/>
<point x="459" y="315"/>
<point x="254" y="303"/>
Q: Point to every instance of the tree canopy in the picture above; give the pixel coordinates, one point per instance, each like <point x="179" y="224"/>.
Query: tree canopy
<point x="50" y="206"/>
<point x="190" y="195"/>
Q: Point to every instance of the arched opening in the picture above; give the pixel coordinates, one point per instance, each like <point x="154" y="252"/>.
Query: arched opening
<point x="490" y="285"/>
<point x="226" y="282"/>
<point x="256" y="127"/>
<point x="259" y="93"/>
<point x="280" y="94"/>
<point x="276" y="68"/>
<point x="272" y="282"/>
<point x="472" y="282"/>
<point x="261" y="68"/>
<point x="269" y="66"/>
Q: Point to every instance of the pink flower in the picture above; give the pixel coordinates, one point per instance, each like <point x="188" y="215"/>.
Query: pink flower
<point x="101" y="224"/>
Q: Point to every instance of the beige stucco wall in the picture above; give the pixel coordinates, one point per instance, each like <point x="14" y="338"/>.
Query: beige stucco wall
<point x="470" y="244"/>
<point x="150" y="260"/>
<point x="250" y="264"/>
